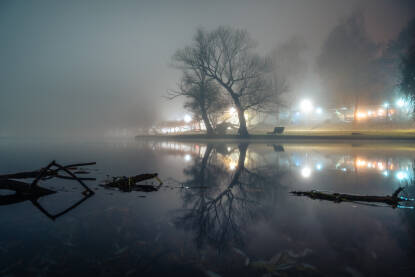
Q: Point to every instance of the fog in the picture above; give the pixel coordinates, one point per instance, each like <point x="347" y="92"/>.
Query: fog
<point x="101" y="68"/>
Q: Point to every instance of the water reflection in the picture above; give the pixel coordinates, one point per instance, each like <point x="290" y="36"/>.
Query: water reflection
<point x="228" y="212"/>
<point x="306" y="160"/>
<point x="33" y="192"/>
<point x="225" y="191"/>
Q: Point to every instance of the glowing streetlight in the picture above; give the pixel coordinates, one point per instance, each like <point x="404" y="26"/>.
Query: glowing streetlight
<point x="187" y="118"/>
<point x="187" y="158"/>
<point x="232" y="166"/>
<point x="306" y="172"/>
<point x="306" y="106"/>
<point x="401" y="175"/>
<point x="400" y="103"/>
<point x="386" y="104"/>
<point x="319" y="110"/>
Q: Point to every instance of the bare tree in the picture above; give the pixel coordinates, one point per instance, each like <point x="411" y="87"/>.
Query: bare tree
<point x="225" y="55"/>
<point x="203" y="96"/>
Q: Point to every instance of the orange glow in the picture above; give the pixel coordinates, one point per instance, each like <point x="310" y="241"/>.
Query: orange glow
<point x="360" y="163"/>
<point x="361" y="115"/>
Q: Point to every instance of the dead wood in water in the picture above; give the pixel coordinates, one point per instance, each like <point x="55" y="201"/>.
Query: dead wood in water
<point x="128" y="184"/>
<point x="32" y="192"/>
<point x="49" y="173"/>
<point x="392" y="200"/>
<point x="23" y="192"/>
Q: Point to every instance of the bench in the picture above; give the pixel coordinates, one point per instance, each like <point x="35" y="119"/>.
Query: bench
<point x="277" y="130"/>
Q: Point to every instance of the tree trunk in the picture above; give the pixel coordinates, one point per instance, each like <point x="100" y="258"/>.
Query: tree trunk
<point x="205" y="118"/>
<point x="243" y="130"/>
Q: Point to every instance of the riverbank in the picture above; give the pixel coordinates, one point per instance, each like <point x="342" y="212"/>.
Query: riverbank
<point x="313" y="136"/>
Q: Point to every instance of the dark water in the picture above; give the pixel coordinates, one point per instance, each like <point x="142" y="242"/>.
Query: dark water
<point x="224" y="210"/>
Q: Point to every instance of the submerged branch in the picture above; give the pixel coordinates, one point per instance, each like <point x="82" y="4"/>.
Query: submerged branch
<point x="128" y="184"/>
<point x="392" y="200"/>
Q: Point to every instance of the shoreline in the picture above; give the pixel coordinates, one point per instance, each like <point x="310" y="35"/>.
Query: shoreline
<point x="310" y="137"/>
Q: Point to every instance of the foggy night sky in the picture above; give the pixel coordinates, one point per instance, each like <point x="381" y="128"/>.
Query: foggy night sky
<point x="99" y="67"/>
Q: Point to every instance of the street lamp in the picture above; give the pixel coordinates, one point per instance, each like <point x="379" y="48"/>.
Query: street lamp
<point x="400" y="103"/>
<point x="187" y="118"/>
<point x="306" y="106"/>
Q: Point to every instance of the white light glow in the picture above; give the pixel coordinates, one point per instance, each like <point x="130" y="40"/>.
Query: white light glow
<point x="232" y="110"/>
<point x="400" y="103"/>
<point x="401" y="175"/>
<point x="319" y="166"/>
<point x="187" y="118"/>
<point x="386" y="105"/>
<point x="306" y="172"/>
<point x="306" y="106"/>
<point x="187" y="158"/>
<point x="319" y="110"/>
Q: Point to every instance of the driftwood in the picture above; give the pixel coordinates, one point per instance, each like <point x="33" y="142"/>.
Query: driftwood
<point x="394" y="200"/>
<point x="128" y="184"/>
<point x="32" y="192"/>
<point x="49" y="173"/>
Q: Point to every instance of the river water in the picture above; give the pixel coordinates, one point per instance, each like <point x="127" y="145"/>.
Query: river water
<point x="224" y="209"/>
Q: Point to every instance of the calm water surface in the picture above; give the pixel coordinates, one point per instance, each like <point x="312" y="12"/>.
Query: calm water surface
<point x="224" y="210"/>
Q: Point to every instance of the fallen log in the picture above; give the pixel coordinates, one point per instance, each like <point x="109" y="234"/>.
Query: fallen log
<point x="393" y="200"/>
<point x="51" y="172"/>
<point x="128" y="184"/>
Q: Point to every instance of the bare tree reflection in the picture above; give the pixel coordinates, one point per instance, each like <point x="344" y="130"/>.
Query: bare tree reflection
<point x="219" y="201"/>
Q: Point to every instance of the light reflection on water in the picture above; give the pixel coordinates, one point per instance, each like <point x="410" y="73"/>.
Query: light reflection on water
<point x="224" y="209"/>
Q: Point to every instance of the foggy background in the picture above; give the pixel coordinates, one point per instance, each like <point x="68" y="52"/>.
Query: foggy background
<point x="101" y="68"/>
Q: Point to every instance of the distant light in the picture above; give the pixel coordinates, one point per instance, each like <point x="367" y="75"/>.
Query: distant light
<point x="385" y="173"/>
<point x="319" y="166"/>
<point x="319" y="110"/>
<point x="386" y="104"/>
<point x="380" y="166"/>
<point x="187" y="118"/>
<point x="401" y="175"/>
<point x="232" y="166"/>
<point x="187" y="158"/>
<point x="306" y="106"/>
<point x="369" y="112"/>
<point x="306" y="172"/>
<point x="400" y="103"/>
<point x="360" y="163"/>
<point x="229" y="149"/>
<point x="361" y="115"/>
<point x="232" y="110"/>
<point x="344" y="169"/>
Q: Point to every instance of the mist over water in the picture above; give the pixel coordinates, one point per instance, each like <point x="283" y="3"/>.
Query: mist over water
<point x="101" y="68"/>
